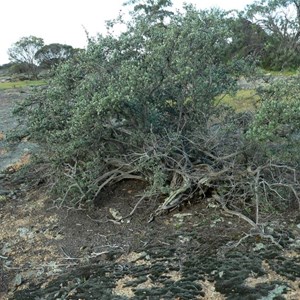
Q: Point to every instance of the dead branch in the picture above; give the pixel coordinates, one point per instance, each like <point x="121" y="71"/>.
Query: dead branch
<point x="135" y="207"/>
<point x="175" y="196"/>
<point x="232" y="212"/>
<point x="115" y="176"/>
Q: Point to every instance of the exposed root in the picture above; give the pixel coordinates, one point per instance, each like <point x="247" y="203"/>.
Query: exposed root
<point x="175" y="197"/>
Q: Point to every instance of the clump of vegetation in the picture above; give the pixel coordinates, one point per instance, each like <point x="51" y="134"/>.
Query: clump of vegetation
<point x="20" y="84"/>
<point x="243" y="100"/>
<point x="277" y="122"/>
<point x="143" y="106"/>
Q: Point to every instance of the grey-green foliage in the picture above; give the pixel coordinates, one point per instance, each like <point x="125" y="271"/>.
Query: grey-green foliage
<point x="156" y="82"/>
<point x="277" y="122"/>
<point x="280" y="19"/>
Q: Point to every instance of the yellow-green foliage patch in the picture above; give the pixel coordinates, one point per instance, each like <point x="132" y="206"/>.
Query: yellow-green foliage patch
<point x="281" y="73"/>
<point x="242" y="100"/>
<point x="19" y="84"/>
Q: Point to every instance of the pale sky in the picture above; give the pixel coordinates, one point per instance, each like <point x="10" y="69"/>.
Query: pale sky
<point x="62" y="21"/>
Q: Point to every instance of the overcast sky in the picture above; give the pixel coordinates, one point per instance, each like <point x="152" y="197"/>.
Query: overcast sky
<point x="62" y="21"/>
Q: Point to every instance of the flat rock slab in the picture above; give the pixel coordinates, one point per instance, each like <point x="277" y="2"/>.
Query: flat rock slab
<point x="11" y="153"/>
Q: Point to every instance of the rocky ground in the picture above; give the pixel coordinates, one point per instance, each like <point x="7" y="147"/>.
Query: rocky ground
<point x="195" y="252"/>
<point x="10" y="152"/>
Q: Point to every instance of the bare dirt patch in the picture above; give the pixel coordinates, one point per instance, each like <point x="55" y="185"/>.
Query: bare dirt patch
<point x="48" y="249"/>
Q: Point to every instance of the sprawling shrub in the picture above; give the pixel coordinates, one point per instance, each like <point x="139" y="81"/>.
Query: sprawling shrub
<point x="277" y="122"/>
<point x="143" y="106"/>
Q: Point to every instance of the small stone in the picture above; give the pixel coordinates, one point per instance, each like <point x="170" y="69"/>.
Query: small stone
<point x="25" y="233"/>
<point x="184" y="239"/>
<point x="259" y="246"/>
<point x="18" y="280"/>
<point x="181" y="216"/>
<point x="298" y="226"/>
<point x="115" y="214"/>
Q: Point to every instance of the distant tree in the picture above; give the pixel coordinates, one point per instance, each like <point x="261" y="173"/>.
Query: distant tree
<point x="52" y="54"/>
<point x="248" y="38"/>
<point x="280" y="19"/>
<point x="23" y="52"/>
<point x="6" y="66"/>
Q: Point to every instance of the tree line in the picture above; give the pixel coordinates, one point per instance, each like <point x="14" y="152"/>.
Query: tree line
<point x="268" y="30"/>
<point x="30" y="55"/>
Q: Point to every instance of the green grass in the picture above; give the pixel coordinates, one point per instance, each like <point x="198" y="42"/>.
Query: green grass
<point x="20" y="84"/>
<point x="243" y="100"/>
<point x="281" y="73"/>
